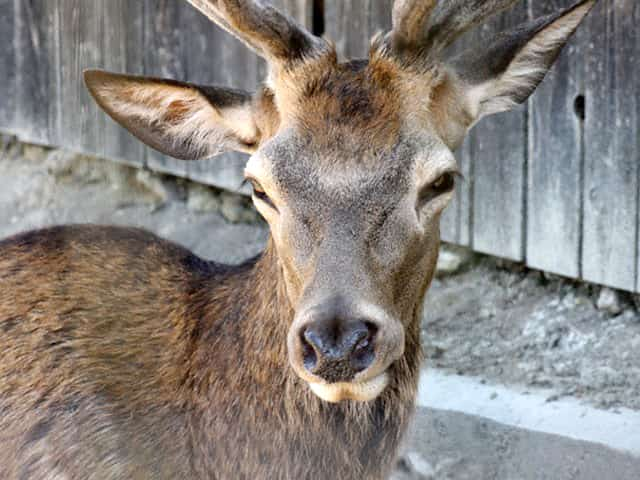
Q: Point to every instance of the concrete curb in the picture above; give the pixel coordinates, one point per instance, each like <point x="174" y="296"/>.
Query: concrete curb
<point x="467" y="430"/>
<point x="619" y="430"/>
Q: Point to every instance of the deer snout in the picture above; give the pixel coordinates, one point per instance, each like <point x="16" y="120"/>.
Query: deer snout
<point x="344" y="350"/>
<point x="336" y="350"/>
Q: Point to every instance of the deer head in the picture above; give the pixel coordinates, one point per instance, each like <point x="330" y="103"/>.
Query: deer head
<point x="351" y="163"/>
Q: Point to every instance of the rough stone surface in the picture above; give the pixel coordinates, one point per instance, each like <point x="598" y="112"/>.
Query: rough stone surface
<point x="453" y="259"/>
<point x="516" y="327"/>
<point x="609" y="301"/>
<point x="202" y="198"/>
<point x="463" y="447"/>
<point x="44" y="188"/>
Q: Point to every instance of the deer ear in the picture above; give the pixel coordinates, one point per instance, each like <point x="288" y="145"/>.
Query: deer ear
<point x="506" y="73"/>
<point x="184" y="121"/>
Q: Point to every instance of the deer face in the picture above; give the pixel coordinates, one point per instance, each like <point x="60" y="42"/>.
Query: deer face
<point x="351" y="164"/>
<point x="353" y="196"/>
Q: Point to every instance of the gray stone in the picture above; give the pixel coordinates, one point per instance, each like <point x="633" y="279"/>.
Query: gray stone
<point x="34" y="152"/>
<point x="609" y="301"/>
<point x="452" y="259"/>
<point x="156" y="186"/>
<point x="413" y="466"/>
<point x="201" y="198"/>
<point x="237" y="209"/>
<point x="469" y="447"/>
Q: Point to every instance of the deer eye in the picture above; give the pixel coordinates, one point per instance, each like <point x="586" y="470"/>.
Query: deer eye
<point x="259" y="193"/>
<point x="445" y="183"/>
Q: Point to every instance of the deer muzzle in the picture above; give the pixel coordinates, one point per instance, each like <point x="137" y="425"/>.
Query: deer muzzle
<point x="343" y="351"/>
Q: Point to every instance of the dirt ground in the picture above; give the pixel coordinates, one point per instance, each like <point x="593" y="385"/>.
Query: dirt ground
<point x="518" y="327"/>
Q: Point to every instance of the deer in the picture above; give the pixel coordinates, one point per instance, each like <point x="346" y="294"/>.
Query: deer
<point x="127" y="356"/>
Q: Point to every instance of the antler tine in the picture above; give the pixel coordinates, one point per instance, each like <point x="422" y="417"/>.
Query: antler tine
<point x="265" y="30"/>
<point x="430" y="26"/>
<point x="410" y="18"/>
<point x="457" y="17"/>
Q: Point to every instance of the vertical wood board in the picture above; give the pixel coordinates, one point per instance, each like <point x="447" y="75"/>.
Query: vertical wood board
<point x="122" y="52"/>
<point x="499" y="162"/>
<point x="83" y="124"/>
<point x="554" y="190"/>
<point x="7" y="65"/>
<point x="37" y="24"/>
<point x="352" y="24"/>
<point x="612" y="147"/>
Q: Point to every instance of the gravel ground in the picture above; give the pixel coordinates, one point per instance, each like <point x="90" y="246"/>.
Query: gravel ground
<point x="512" y="326"/>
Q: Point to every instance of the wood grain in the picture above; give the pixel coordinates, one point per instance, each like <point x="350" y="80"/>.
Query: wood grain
<point x="37" y="24"/>
<point x="612" y="146"/>
<point x="7" y="65"/>
<point x="554" y="214"/>
<point x="498" y="146"/>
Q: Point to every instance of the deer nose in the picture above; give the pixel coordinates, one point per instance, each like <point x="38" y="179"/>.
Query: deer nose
<point x="336" y="350"/>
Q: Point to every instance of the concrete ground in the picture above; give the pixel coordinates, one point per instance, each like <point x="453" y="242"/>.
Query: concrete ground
<point x="525" y="378"/>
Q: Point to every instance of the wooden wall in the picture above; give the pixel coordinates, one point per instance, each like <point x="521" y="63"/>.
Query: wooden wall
<point x="554" y="184"/>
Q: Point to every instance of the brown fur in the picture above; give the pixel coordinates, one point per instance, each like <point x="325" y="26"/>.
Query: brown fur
<point x="158" y="366"/>
<point x="332" y="99"/>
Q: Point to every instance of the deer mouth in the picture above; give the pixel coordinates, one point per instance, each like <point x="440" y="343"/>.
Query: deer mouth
<point x="358" y="391"/>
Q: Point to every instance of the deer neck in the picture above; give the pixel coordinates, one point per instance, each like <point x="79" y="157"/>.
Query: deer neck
<point x="242" y="347"/>
<point x="242" y="328"/>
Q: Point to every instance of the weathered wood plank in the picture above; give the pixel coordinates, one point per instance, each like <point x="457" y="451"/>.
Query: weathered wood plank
<point x="464" y="196"/>
<point x="300" y="10"/>
<point x="456" y="224"/>
<point x="83" y="125"/>
<point x="166" y="44"/>
<point x="7" y="65"/>
<point x="555" y="159"/>
<point x="37" y="74"/>
<point x="612" y="147"/>
<point x="123" y="37"/>
<point x="498" y="146"/>
<point x="352" y="24"/>
<point x="637" y="152"/>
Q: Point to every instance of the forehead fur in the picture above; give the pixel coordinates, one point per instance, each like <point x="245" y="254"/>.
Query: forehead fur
<point x="361" y="105"/>
<point x="339" y="102"/>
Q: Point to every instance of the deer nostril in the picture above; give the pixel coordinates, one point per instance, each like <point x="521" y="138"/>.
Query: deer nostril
<point x="309" y="355"/>
<point x="363" y="353"/>
<point x="337" y="350"/>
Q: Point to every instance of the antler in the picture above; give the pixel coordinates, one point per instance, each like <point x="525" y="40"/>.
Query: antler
<point x="459" y="16"/>
<point x="409" y="21"/>
<point x="264" y="29"/>
<point x="432" y="25"/>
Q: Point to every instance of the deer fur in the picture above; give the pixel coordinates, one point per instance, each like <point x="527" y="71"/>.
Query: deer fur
<point x="126" y="356"/>
<point x="172" y="377"/>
